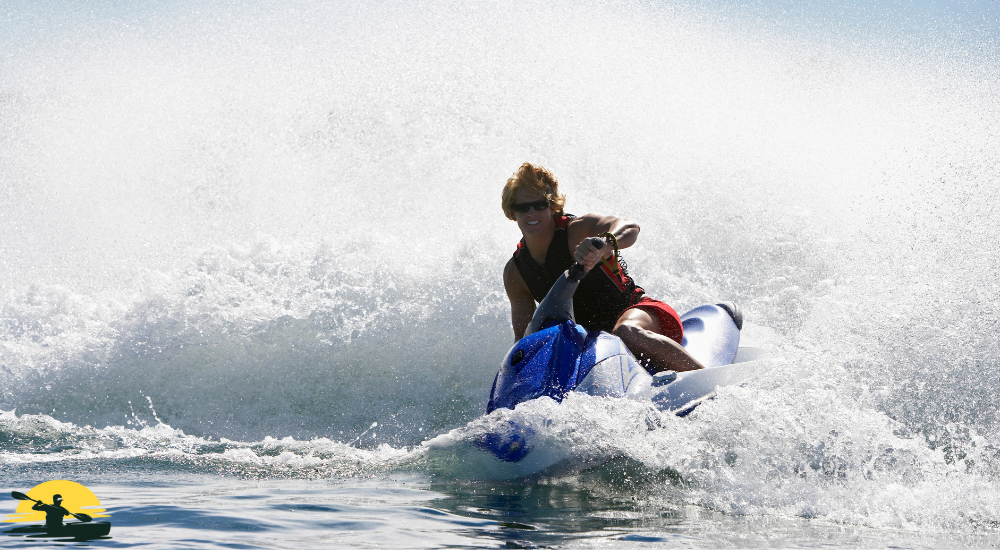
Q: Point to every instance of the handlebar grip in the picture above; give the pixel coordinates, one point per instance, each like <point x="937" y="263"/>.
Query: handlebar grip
<point x="577" y="272"/>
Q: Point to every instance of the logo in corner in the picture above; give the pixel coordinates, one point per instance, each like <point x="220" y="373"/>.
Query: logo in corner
<point x="47" y="506"/>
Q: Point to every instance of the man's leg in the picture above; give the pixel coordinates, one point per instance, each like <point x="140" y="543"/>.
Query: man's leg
<point x="639" y="330"/>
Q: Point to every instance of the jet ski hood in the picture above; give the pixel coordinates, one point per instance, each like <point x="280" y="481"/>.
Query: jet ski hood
<point x="544" y="363"/>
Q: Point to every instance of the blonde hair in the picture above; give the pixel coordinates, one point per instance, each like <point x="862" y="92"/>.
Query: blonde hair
<point x="533" y="178"/>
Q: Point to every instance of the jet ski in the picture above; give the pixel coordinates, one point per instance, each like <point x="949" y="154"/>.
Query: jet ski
<point x="557" y="356"/>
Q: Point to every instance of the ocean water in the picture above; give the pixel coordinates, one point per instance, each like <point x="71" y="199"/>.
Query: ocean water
<point x="250" y="260"/>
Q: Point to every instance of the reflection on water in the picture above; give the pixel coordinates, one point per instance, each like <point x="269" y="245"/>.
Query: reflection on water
<point x="623" y="502"/>
<point x="619" y="503"/>
<point x="607" y="502"/>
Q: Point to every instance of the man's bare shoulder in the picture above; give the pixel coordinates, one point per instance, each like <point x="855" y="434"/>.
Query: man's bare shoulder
<point x="508" y="268"/>
<point x="511" y="276"/>
<point x="582" y="227"/>
<point x="586" y="219"/>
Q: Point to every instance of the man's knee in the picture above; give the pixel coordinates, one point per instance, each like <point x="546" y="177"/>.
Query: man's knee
<point x="628" y="332"/>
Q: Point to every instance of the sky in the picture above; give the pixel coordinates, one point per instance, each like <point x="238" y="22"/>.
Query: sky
<point x="17" y="16"/>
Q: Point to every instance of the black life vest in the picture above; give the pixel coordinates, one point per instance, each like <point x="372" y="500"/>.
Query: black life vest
<point x="602" y="295"/>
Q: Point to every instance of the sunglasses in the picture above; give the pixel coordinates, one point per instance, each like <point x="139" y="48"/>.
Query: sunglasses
<point x="523" y="207"/>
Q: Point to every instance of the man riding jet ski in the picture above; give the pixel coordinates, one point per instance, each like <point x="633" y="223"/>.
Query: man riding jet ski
<point x="570" y="341"/>
<point x="607" y="298"/>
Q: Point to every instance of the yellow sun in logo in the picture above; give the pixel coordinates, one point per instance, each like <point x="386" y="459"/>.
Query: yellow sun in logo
<point x="76" y="498"/>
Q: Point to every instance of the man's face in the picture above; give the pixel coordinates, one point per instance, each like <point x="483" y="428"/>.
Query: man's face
<point x="532" y="222"/>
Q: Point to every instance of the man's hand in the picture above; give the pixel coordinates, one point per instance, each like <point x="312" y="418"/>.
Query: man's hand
<point x="588" y="255"/>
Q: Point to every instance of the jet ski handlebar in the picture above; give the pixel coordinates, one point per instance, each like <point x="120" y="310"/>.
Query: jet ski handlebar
<point x="557" y="306"/>
<point x="577" y="271"/>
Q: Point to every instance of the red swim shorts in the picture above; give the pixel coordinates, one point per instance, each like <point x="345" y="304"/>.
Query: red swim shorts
<point x="670" y="322"/>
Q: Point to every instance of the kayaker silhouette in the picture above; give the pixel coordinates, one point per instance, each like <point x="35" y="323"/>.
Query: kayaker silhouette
<point x="85" y="529"/>
<point x="54" y="513"/>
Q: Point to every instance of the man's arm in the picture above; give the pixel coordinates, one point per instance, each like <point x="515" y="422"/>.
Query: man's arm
<point x="522" y="304"/>
<point x="591" y="225"/>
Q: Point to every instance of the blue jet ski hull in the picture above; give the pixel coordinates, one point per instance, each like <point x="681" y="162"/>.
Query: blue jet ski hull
<point x="566" y="358"/>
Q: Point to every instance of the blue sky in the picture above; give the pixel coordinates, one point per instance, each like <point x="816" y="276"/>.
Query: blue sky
<point x="958" y="23"/>
<point x="970" y="12"/>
